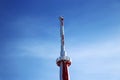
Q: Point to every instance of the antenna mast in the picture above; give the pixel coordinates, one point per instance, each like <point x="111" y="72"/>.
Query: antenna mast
<point x="63" y="61"/>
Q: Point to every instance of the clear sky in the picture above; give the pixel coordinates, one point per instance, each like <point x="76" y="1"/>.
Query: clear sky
<point x="30" y="40"/>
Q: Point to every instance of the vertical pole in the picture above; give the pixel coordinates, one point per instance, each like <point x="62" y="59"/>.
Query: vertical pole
<point x="62" y="37"/>
<point x="63" y="61"/>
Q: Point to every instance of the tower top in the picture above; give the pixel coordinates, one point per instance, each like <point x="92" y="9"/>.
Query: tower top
<point x="61" y="18"/>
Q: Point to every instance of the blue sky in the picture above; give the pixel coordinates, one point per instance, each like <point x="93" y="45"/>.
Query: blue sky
<point x="30" y="40"/>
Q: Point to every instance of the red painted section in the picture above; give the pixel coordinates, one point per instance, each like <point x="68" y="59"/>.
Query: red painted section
<point x="67" y="62"/>
<point x="65" y="74"/>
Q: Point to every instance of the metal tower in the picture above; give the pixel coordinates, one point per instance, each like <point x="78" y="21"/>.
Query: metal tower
<point x="63" y="61"/>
